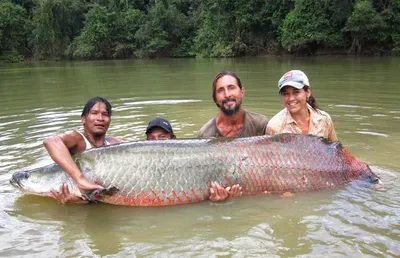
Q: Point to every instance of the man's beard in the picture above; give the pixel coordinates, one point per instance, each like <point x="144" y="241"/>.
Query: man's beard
<point x="233" y="110"/>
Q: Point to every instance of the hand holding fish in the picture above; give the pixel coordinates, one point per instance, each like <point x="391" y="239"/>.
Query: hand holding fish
<point x="219" y="193"/>
<point x="63" y="196"/>
<point x="84" y="184"/>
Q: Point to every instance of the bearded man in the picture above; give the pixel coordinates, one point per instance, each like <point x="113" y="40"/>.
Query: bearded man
<point x="232" y="120"/>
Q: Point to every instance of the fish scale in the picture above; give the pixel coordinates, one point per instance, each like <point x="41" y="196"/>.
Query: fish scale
<point x="179" y="171"/>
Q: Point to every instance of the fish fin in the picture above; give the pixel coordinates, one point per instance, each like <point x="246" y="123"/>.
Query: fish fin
<point x="90" y="196"/>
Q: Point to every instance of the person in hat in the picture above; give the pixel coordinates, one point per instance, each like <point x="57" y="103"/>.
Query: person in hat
<point x="232" y="120"/>
<point x="161" y="129"/>
<point x="301" y="114"/>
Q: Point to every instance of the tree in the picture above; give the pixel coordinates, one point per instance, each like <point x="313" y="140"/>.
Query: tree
<point x="56" y="23"/>
<point x="107" y="33"/>
<point x="14" y="27"/>
<point x="364" y="25"/>
<point x="161" y="31"/>
<point x="312" y="24"/>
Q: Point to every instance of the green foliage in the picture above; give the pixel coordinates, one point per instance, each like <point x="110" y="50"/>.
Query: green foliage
<point x="313" y="23"/>
<point x="391" y="17"/>
<point x="104" y="29"/>
<point x="161" y="32"/>
<point x="364" y="24"/>
<point x="56" y="23"/>
<point x="14" y="27"/>
<point x="232" y="28"/>
<point x="106" y="34"/>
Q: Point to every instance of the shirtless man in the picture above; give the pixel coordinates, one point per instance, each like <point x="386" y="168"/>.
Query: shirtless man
<point x="96" y="118"/>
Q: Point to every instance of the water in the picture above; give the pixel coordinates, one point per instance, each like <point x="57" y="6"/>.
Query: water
<point x="361" y="95"/>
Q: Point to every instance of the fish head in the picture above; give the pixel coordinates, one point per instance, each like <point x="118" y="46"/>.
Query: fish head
<point x="39" y="181"/>
<point x="369" y="176"/>
<point x="18" y="177"/>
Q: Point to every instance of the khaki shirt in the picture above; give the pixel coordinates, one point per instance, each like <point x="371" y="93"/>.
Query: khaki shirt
<point x="254" y="124"/>
<point x="321" y="124"/>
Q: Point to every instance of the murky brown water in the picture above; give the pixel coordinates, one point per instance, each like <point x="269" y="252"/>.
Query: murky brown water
<point x="39" y="100"/>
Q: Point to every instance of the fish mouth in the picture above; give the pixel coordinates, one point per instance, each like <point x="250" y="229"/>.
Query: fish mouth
<point x="17" y="177"/>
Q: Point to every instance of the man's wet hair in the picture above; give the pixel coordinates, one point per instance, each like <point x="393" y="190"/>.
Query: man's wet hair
<point x="221" y="74"/>
<point x="93" y="101"/>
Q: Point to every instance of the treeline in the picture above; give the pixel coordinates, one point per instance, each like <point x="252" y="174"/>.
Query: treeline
<point x="106" y="29"/>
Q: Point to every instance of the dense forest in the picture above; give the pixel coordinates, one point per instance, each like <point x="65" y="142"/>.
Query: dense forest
<point x="107" y="29"/>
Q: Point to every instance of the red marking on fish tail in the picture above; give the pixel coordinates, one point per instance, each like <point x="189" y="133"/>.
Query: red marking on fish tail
<point x="159" y="200"/>
<point x="313" y="179"/>
<point x="188" y="198"/>
<point x="132" y="201"/>
<point x="195" y="195"/>
<point x="177" y="197"/>
<point x="146" y="198"/>
<point x="245" y="187"/>
<point x="170" y="201"/>
<point x="286" y="182"/>
<point x="257" y="182"/>
<point x="205" y="195"/>
<point x="300" y="183"/>
<point x="333" y="179"/>
<point x="277" y="180"/>
<point x="253" y="182"/>
<point x="228" y="180"/>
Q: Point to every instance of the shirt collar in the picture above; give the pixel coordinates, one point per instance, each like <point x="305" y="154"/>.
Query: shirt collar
<point x="315" y="116"/>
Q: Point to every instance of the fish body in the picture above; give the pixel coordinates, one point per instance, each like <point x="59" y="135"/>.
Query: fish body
<point x="179" y="171"/>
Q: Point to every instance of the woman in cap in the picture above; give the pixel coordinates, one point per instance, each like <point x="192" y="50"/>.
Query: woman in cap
<point x="301" y="114"/>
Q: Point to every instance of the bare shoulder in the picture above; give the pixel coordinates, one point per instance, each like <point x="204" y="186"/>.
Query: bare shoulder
<point x="113" y="140"/>
<point x="71" y="136"/>
<point x="70" y="139"/>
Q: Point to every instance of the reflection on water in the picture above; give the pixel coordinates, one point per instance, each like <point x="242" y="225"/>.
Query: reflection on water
<point x="353" y="221"/>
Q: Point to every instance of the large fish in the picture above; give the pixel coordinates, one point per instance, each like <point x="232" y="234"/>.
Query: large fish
<point x="170" y="172"/>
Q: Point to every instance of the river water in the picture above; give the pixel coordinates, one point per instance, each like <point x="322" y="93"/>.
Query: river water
<point x="361" y="95"/>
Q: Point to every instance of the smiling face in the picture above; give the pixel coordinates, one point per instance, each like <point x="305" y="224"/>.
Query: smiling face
<point x="97" y="120"/>
<point x="228" y="95"/>
<point x="295" y="99"/>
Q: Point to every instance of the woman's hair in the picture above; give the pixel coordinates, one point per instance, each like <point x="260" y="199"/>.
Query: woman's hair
<point x="311" y="100"/>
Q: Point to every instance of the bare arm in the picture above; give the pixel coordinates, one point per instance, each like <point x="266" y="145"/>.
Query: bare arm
<point x="59" y="148"/>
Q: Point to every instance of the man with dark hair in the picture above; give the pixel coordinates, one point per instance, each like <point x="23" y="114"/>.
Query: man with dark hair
<point x="157" y="129"/>
<point x="232" y="120"/>
<point x="96" y="118"/>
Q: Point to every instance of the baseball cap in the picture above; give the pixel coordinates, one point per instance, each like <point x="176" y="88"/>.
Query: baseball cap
<point x="160" y="122"/>
<point x="294" y="78"/>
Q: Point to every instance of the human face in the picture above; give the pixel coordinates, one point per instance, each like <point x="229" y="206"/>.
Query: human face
<point x="295" y="99"/>
<point x="228" y="95"/>
<point x="158" y="133"/>
<point x="97" y="120"/>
